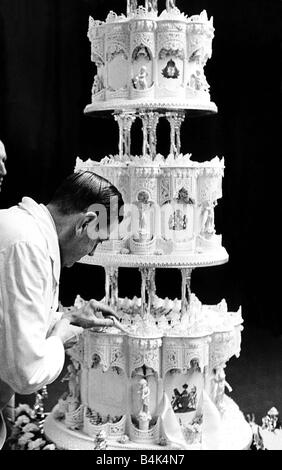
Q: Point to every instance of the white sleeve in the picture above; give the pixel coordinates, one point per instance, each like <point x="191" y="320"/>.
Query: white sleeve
<point x="28" y="359"/>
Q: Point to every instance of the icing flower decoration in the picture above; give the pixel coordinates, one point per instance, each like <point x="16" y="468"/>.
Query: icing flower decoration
<point x="25" y="439"/>
<point x="22" y="420"/>
<point x="36" y="445"/>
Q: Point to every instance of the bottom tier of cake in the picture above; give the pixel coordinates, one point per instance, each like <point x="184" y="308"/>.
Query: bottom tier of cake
<point x="232" y="433"/>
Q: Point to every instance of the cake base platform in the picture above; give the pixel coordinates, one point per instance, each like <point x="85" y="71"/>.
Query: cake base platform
<point x="236" y="434"/>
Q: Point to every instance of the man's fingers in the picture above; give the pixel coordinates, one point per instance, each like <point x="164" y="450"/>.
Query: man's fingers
<point x="103" y="322"/>
<point x="103" y="308"/>
<point x="77" y="330"/>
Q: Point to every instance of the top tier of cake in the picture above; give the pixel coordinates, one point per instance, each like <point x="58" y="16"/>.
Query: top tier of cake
<point x="146" y="60"/>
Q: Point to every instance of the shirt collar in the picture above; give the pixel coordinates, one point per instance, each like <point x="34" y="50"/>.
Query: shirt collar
<point x="47" y="227"/>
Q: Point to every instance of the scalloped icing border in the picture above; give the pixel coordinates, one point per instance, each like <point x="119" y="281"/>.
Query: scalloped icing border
<point x="115" y="105"/>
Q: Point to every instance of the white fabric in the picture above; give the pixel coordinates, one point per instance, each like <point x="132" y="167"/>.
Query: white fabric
<point x="171" y="426"/>
<point x="3" y="431"/>
<point x="29" y="280"/>
<point x="212" y="424"/>
<point x="211" y="429"/>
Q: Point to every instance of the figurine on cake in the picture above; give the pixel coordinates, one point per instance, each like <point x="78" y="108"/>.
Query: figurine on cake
<point x="140" y="81"/>
<point x="144" y="416"/>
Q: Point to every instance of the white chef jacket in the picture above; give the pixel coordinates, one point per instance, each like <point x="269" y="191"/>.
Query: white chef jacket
<point x="29" y="281"/>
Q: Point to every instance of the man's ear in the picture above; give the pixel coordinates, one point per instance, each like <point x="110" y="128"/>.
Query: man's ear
<point x="84" y="221"/>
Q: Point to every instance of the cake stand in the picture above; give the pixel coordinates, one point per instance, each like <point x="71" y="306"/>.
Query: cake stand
<point x="195" y="341"/>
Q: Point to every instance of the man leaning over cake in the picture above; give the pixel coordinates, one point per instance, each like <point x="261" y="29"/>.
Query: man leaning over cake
<point x="35" y="242"/>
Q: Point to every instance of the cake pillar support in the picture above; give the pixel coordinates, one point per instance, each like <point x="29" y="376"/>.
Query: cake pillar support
<point x="111" y="287"/>
<point x="125" y="121"/>
<point x="185" y="290"/>
<point x="175" y="120"/>
<point x="150" y="122"/>
<point x="148" y="290"/>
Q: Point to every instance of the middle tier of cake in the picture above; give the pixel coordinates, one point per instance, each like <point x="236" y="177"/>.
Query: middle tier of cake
<point x="169" y="204"/>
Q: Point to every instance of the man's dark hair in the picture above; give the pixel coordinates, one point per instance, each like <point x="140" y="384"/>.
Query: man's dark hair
<point x="82" y="189"/>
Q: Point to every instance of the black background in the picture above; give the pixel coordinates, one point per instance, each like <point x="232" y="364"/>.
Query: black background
<point x="46" y="77"/>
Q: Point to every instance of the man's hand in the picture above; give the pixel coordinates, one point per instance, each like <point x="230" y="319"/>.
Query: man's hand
<point x="69" y="334"/>
<point x="91" y="315"/>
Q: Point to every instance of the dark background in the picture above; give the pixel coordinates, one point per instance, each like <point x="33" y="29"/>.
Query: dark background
<point x="45" y="82"/>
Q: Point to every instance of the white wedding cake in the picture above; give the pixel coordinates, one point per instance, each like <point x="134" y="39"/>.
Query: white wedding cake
<point x="156" y="379"/>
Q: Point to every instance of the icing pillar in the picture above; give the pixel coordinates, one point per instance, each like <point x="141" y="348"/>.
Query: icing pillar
<point x="111" y="287"/>
<point x="185" y="290"/>
<point x="148" y="290"/>
<point x="175" y="120"/>
<point x="150" y="122"/>
<point x="144" y="355"/>
<point x="131" y="8"/>
<point x="125" y="121"/>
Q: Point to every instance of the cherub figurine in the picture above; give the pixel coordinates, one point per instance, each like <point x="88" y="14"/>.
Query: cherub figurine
<point x="97" y="85"/>
<point x="207" y="225"/>
<point x="219" y="386"/>
<point x="145" y="394"/>
<point x="71" y="378"/>
<point x="198" y="81"/>
<point x="144" y="205"/>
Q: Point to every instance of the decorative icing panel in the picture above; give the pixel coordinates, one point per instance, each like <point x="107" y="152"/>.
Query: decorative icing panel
<point x="175" y="51"/>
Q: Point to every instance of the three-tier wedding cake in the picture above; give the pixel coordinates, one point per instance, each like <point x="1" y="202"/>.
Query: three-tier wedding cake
<point x="157" y="378"/>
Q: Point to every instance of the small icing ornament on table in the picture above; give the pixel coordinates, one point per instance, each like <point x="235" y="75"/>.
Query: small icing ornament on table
<point x="271" y="420"/>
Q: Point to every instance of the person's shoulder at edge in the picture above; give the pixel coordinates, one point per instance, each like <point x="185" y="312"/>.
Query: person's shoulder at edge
<point x="16" y="226"/>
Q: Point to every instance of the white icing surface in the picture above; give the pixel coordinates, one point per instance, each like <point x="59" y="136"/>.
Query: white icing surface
<point x="180" y="161"/>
